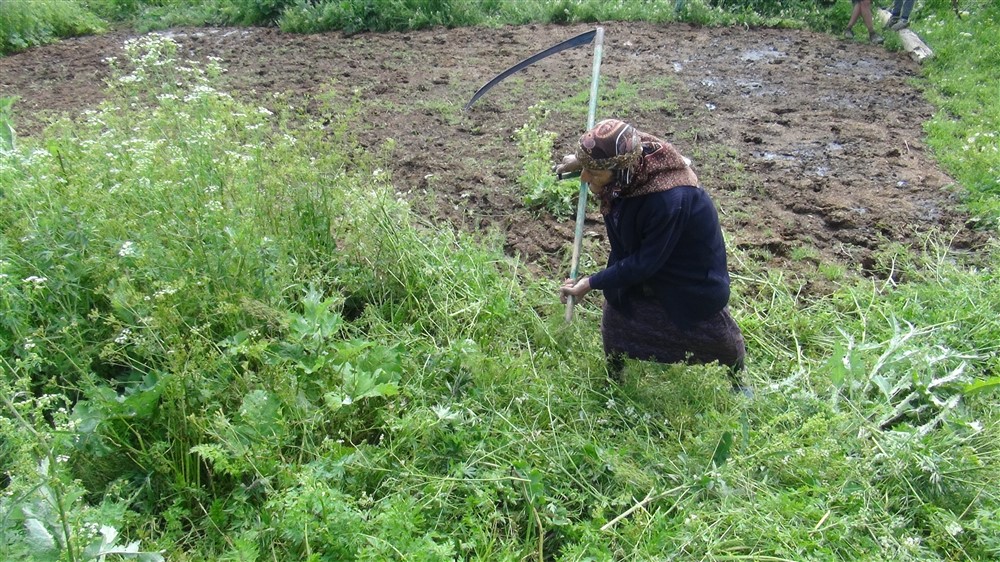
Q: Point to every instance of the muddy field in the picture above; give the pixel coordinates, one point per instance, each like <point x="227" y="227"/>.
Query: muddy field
<point x="811" y="146"/>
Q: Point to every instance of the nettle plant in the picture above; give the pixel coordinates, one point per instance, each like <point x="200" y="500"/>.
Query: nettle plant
<point x="541" y="187"/>
<point x="43" y="512"/>
<point x="907" y="383"/>
<point x="912" y="394"/>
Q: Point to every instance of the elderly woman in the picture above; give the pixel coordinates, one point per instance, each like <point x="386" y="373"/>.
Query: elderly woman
<point x="666" y="285"/>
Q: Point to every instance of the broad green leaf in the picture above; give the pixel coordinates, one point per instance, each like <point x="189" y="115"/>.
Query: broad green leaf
<point x="721" y="454"/>
<point x="7" y="136"/>
<point x="836" y="367"/>
<point x="981" y="386"/>
<point x="38" y="536"/>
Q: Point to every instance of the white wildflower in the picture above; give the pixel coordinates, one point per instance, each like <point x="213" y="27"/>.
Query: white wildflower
<point x="128" y="249"/>
<point x="35" y="279"/>
<point x="164" y="292"/>
<point x="954" y="528"/>
<point x="123" y="336"/>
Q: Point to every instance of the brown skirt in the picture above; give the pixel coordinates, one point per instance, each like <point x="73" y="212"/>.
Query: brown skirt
<point x="649" y="334"/>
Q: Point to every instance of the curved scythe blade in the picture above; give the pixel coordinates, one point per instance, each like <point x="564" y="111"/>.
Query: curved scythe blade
<point x="581" y="39"/>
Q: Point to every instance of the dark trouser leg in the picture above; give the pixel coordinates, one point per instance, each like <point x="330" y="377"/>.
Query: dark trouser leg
<point x="736" y="379"/>
<point x="736" y="373"/>
<point x="907" y="7"/>
<point x="616" y="365"/>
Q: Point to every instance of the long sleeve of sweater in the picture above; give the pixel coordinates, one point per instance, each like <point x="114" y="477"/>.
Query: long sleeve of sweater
<point x="656" y="227"/>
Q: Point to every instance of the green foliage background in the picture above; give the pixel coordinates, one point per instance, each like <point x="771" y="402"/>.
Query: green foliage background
<point x="224" y="338"/>
<point x="24" y="24"/>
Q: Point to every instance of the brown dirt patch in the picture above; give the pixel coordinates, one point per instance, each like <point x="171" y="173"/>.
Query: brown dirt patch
<point x="804" y="140"/>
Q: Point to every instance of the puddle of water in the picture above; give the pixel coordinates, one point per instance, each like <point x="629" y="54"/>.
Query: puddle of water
<point x="755" y="55"/>
<point x="860" y="67"/>
<point x="771" y="156"/>
<point x="757" y="89"/>
<point x="749" y="84"/>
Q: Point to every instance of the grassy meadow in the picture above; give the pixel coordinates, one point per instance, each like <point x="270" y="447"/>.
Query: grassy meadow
<point x="223" y="337"/>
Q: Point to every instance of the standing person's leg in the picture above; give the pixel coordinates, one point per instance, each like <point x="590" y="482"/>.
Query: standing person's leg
<point x="865" y="6"/>
<point x="897" y="6"/>
<point x="904" y="15"/>
<point x="616" y="331"/>
<point x="718" y="339"/>
<point x="866" y="14"/>
<point x="615" y="365"/>
<point x="855" y="14"/>
<point x="907" y="8"/>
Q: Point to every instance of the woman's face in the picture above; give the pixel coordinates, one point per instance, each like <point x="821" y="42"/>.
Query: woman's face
<point x="597" y="179"/>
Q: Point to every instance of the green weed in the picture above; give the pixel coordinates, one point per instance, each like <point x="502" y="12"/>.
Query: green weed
<point x="7" y="134"/>
<point x="26" y="24"/>
<point x="541" y="187"/>
<point x="622" y="98"/>
<point x="804" y="253"/>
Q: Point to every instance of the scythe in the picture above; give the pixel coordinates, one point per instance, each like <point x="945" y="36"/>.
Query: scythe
<point x="597" y="36"/>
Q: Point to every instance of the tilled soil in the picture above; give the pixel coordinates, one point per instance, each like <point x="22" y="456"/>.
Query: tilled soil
<point x="812" y="146"/>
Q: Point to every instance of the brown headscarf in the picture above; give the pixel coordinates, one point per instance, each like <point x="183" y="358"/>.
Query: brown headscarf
<point x="642" y="163"/>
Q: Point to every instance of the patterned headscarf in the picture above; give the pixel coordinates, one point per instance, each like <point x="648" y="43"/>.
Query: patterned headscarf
<point x="642" y="163"/>
<point x="610" y="145"/>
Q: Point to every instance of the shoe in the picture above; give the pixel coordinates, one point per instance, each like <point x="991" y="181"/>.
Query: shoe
<point x="900" y="25"/>
<point x="875" y="38"/>
<point x="848" y="34"/>
<point x="892" y="21"/>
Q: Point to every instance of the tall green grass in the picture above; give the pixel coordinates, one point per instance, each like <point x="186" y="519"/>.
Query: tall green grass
<point x="25" y="24"/>
<point x="225" y="338"/>
<point x="965" y="132"/>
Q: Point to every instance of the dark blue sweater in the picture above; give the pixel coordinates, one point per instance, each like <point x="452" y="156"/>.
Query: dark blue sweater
<point x="668" y="244"/>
